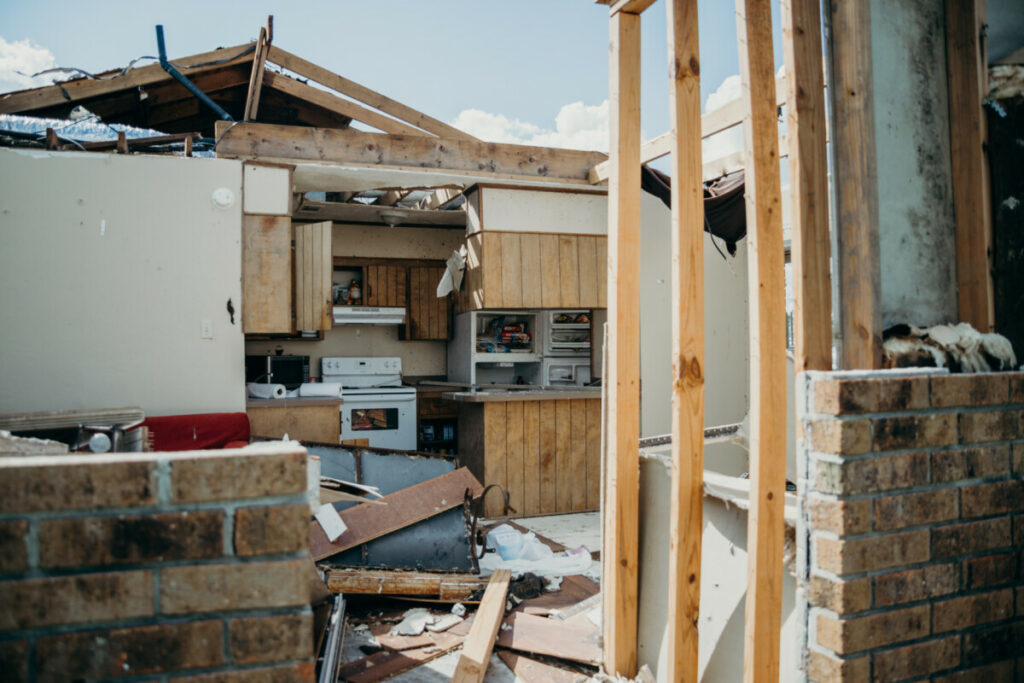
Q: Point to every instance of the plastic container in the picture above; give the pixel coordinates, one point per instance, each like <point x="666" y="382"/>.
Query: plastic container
<point x="506" y="540"/>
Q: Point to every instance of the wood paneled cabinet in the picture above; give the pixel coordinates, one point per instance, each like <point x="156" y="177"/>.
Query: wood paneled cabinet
<point x="428" y="317"/>
<point x="385" y="285"/>
<point x="534" y="270"/>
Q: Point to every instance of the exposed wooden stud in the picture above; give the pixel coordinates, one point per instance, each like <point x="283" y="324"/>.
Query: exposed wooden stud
<point x="622" y="475"/>
<point x="352" y="147"/>
<point x="686" y="506"/>
<point x="188" y="146"/>
<point x="766" y="278"/>
<point x="808" y="182"/>
<point x="122" y="142"/>
<point x="856" y="186"/>
<point x="971" y="194"/>
<point x="630" y="6"/>
<point x="52" y="141"/>
<point x="365" y="95"/>
<point x="476" y="651"/>
<point x="259" y="61"/>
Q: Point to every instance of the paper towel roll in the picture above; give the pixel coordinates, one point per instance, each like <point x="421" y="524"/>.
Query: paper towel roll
<point x="319" y="389"/>
<point x="258" y="390"/>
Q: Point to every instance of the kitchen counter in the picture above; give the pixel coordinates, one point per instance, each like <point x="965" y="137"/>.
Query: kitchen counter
<point x="292" y="402"/>
<point x="311" y="419"/>
<point x="510" y="395"/>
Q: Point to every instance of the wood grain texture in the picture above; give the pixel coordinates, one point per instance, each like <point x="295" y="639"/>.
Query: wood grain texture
<point x="548" y="467"/>
<point x="765" y="521"/>
<point x="511" y="270"/>
<point x="621" y="509"/>
<point x="266" y="274"/>
<point x="259" y="60"/>
<point x="494" y="455"/>
<point x="593" y="454"/>
<point x="967" y="73"/>
<point x="476" y="650"/>
<point x="317" y="424"/>
<point x="390" y="582"/>
<point x="568" y="271"/>
<point x="515" y="454"/>
<point x="578" y="453"/>
<point x="586" y="246"/>
<point x="530" y="251"/>
<point x="551" y="294"/>
<point x="563" y="455"/>
<point x="313" y="276"/>
<point x="531" y="457"/>
<point x="552" y="637"/>
<point x="687" y="497"/>
<point x="856" y="186"/>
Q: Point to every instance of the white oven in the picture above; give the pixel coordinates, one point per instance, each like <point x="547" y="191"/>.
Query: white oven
<point x="375" y="405"/>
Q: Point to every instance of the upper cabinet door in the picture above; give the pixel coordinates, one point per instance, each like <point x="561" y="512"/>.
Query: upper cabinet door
<point x="429" y="317"/>
<point x="266" y="275"/>
<point x="385" y="285"/>
<point x="313" y="276"/>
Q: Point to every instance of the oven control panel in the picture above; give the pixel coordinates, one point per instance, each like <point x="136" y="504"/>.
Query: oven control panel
<point x="361" y="366"/>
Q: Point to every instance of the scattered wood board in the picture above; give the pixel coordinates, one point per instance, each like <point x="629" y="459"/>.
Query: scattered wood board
<point x="531" y="670"/>
<point x="447" y="587"/>
<point x="382" y="632"/>
<point x="476" y="651"/>
<point x="388" y="663"/>
<point x="404" y="508"/>
<point x="537" y="635"/>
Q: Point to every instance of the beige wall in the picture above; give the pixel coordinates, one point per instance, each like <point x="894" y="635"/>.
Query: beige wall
<point x="110" y="265"/>
<point x="523" y="210"/>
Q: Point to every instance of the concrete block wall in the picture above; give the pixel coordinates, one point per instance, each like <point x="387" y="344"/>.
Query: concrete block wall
<point x="911" y="537"/>
<point x="157" y="567"/>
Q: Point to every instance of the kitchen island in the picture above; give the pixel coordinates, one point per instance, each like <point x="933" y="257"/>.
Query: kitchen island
<point x="302" y="419"/>
<point x="542" y="445"/>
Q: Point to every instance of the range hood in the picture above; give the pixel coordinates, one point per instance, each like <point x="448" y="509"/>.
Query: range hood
<point x="369" y="315"/>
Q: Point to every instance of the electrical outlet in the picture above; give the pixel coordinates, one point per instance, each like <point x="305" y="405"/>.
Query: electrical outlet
<point x="206" y="329"/>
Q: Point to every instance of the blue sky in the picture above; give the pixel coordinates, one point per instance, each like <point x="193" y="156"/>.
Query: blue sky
<point x="513" y="66"/>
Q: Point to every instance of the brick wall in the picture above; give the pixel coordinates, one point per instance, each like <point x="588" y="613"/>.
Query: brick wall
<point x="155" y="567"/>
<point x="911" y="535"/>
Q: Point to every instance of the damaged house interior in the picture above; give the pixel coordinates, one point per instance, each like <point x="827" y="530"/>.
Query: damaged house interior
<point x="304" y="384"/>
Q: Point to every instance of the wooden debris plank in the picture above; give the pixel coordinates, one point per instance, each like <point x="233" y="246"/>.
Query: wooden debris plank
<point x="350" y="146"/>
<point x="382" y="632"/>
<point x="538" y="635"/>
<point x="365" y="95"/>
<point x="476" y="650"/>
<point x="765" y="521"/>
<point x="533" y="671"/>
<point x="389" y="582"/>
<point x="259" y="60"/>
<point x="14" y="422"/>
<point x="382" y="665"/>
<point x="404" y="508"/>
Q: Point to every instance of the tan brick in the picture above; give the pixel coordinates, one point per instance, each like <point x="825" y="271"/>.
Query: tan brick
<point x="993" y="644"/>
<point x="272" y="529"/>
<point x="969" y="390"/>
<point x="1016" y="380"/>
<point x="973" y="537"/>
<point x="271" y="639"/>
<point x="916" y="660"/>
<point x="13" y="546"/>
<point x="842" y="597"/>
<point x="32" y="488"/>
<point x="843" y="397"/>
<point x="85" y="598"/>
<point x="14" y="661"/>
<point x="916" y="584"/>
<point x="970" y="463"/>
<point x="971" y="610"/>
<point x="222" y="477"/>
<point x="914" y="431"/>
<point x="841" y="517"/>
<point x="870" y="475"/>
<point x="846" y="437"/>
<point x="856" y="634"/>
<point x="131" y="651"/>
<point x="990" y="570"/>
<point x="916" y="509"/>
<point x="1018" y="458"/>
<point x="992" y="499"/>
<point x="990" y="673"/>
<point x="124" y="539"/>
<point x="825" y="668"/>
<point x="869" y="554"/>
<point x="248" y="585"/>
<point x="1002" y="425"/>
<point x="302" y="672"/>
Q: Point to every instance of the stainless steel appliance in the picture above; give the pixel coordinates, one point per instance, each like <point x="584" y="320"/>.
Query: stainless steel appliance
<point x="376" y="405"/>
<point x="291" y="371"/>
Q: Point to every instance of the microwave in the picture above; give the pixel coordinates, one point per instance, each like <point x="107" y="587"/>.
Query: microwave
<point x="291" y="371"/>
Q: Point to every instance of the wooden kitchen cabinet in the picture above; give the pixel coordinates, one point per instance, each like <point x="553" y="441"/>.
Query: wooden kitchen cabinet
<point x="302" y="419"/>
<point x="534" y="270"/>
<point x="428" y="317"/>
<point x="313" y="276"/>
<point x="266" y="275"/>
<point x="385" y="285"/>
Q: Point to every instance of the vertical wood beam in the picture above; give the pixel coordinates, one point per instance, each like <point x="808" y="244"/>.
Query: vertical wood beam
<point x="622" y="481"/>
<point x="855" y="178"/>
<point x="686" y="506"/>
<point x="259" y="59"/>
<point x="765" y="522"/>
<point x="967" y="77"/>
<point x="808" y="182"/>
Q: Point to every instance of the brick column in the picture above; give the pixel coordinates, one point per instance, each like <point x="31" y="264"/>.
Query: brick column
<point x="911" y="537"/>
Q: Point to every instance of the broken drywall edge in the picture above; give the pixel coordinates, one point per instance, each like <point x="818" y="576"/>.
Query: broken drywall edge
<point x="892" y="373"/>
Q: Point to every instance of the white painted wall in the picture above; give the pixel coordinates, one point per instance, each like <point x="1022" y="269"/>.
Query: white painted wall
<point x="109" y="265"/>
<point x="521" y="210"/>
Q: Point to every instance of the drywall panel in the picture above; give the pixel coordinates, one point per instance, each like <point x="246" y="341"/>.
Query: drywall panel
<point x="118" y="275"/>
<point x="373" y="241"/>
<point x="917" y="234"/>
<point x="520" y="210"/>
<point x="267" y="190"/>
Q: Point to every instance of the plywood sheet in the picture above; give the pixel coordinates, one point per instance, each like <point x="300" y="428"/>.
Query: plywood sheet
<point x="543" y="636"/>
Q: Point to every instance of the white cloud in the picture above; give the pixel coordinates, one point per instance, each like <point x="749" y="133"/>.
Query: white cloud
<point x="728" y="141"/>
<point x="577" y="126"/>
<point x="20" y="59"/>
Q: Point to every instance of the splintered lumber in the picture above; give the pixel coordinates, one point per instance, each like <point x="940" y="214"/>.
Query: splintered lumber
<point x="349" y="146"/>
<point x="551" y="637"/>
<point x="382" y="632"/>
<point x="765" y="521"/>
<point x="259" y="60"/>
<point x="53" y="419"/>
<point x="808" y="180"/>
<point x="687" y="498"/>
<point x="382" y="665"/>
<point x="621" y="507"/>
<point x="476" y="651"/>
<point x="404" y="508"/>
<point x="447" y="587"/>
<point x="532" y="671"/>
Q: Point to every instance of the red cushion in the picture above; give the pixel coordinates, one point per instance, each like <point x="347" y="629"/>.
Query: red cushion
<point x="197" y="432"/>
